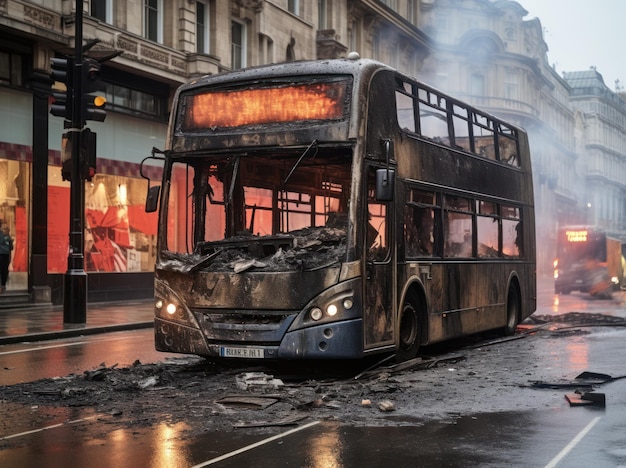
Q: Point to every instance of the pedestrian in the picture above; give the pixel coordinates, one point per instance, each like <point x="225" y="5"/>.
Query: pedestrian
<point x="6" y="246"/>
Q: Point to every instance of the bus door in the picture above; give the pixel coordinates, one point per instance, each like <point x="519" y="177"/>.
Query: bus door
<point x="380" y="275"/>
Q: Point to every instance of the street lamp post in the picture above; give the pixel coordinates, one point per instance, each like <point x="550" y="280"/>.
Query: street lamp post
<point x="75" y="280"/>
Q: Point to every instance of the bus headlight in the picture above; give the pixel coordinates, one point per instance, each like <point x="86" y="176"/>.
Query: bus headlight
<point x="316" y="313"/>
<point x="170" y="310"/>
<point x="331" y="310"/>
<point x="615" y="280"/>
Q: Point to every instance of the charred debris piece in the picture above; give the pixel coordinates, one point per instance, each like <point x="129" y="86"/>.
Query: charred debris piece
<point x="583" y="380"/>
<point x="307" y="248"/>
<point x="582" y="398"/>
<point x="579" y="319"/>
<point x="583" y="383"/>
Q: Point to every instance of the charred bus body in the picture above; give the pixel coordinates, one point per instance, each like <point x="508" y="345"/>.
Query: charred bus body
<point x="306" y="213"/>
<point x="589" y="260"/>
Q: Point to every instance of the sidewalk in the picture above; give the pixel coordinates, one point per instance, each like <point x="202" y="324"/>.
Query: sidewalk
<point x="37" y="323"/>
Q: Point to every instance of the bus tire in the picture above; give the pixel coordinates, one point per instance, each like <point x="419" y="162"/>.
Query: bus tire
<point x="513" y="309"/>
<point x="409" y="328"/>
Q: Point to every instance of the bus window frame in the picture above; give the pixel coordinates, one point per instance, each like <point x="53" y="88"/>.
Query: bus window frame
<point x="457" y="117"/>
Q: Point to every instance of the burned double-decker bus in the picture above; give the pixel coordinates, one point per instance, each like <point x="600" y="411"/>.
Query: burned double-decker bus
<point x="303" y="215"/>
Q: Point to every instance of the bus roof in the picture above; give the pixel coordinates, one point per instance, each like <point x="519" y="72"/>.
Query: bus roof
<point x="331" y="67"/>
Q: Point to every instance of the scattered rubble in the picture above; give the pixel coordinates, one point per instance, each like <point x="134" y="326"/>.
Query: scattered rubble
<point x="462" y="377"/>
<point x="386" y="405"/>
<point x="579" y="319"/>
<point x="257" y="380"/>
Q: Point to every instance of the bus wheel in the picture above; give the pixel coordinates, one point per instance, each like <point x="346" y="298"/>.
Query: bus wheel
<point x="409" y="329"/>
<point x="513" y="309"/>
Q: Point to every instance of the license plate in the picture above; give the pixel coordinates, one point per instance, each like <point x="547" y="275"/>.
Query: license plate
<point x="248" y="353"/>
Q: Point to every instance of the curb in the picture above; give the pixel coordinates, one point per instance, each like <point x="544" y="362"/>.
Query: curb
<point x="70" y="333"/>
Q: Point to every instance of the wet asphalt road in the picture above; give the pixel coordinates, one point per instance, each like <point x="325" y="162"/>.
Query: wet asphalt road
<point x="558" y="435"/>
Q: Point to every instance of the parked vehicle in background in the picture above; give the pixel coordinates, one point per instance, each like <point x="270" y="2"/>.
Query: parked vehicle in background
<point x="590" y="260"/>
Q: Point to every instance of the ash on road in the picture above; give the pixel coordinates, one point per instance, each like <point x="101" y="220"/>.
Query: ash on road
<point x="475" y="375"/>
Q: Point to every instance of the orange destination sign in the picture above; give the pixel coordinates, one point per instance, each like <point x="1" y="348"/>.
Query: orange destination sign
<point x="576" y="236"/>
<point x="227" y="109"/>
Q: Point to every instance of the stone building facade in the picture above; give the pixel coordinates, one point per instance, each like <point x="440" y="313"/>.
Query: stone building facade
<point x="482" y="51"/>
<point x="603" y="149"/>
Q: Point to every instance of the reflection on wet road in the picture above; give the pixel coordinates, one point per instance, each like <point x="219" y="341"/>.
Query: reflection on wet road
<point x="524" y="434"/>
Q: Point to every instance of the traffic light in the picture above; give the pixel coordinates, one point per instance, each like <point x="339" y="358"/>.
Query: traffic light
<point x="61" y="75"/>
<point x="93" y="104"/>
<point x="66" y="156"/>
<point x="88" y="153"/>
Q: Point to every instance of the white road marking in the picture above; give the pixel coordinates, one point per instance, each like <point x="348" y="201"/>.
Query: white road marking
<point x="34" y="431"/>
<point x="77" y="343"/>
<point x="255" y="445"/>
<point x="27" y="350"/>
<point x="569" y="447"/>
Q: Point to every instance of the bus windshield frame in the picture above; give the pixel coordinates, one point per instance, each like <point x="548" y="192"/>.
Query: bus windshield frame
<point x="273" y="207"/>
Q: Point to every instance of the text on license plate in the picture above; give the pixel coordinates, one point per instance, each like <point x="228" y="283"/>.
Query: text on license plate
<point x="251" y="353"/>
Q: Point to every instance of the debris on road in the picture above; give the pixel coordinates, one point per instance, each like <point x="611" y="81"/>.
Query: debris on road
<point x="287" y="421"/>
<point x="586" y="399"/>
<point x="256" y="380"/>
<point x="147" y="382"/>
<point x="99" y="373"/>
<point x="244" y="401"/>
<point x="579" y="319"/>
<point x="419" y="363"/>
<point x="386" y="406"/>
<point x="216" y="395"/>
<point x="583" y="380"/>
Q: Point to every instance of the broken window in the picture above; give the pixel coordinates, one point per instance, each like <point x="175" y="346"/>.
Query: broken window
<point x="377" y="235"/>
<point x="511" y="231"/>
<point x="487" y="229"/>
<point x="260" y="207"/>
<point x="458" y="228"/>
<point x="405" y="107"/>
<point x="419" y="223"/>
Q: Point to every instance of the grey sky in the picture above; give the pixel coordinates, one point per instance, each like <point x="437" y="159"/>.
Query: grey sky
<point x="584" y="34"/>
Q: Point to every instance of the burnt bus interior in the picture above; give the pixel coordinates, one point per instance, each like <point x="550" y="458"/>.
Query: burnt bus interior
<point x="267" y="211"/>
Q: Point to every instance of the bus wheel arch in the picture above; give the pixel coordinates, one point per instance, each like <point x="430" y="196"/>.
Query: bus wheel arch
<point x="411" y="323"/>
<point x="513" y="306"/>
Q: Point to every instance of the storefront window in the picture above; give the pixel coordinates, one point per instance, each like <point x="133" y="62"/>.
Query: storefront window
<point x="14" y="206"/>
<point x="119" y="235"/>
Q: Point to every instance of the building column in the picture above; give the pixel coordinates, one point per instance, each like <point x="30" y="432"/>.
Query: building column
<point x="38" y="274"/>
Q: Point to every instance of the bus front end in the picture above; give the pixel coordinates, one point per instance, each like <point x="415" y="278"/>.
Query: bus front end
<point x="259" y="315"/>
<point x="257" y="228"/>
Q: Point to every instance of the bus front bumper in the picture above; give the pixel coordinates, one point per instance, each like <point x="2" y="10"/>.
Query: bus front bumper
<point x="336" y="340"/>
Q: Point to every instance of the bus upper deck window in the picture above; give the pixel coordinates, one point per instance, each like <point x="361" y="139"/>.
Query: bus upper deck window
<point x="507" y="148"/>
<point x="405" y="111"/>
<point x="484" y="143"/>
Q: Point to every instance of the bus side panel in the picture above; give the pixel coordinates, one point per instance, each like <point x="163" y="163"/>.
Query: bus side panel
<point x="459" y="302"/>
